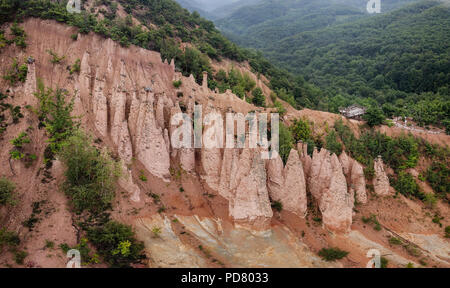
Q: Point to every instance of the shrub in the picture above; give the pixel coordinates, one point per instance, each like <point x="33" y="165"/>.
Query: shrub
<point x="76" y="67"/>
<point x="277" y="205"/>
<point x="116" y="243"/>
<point x="142" y="177"/>
<point x="54" y="113"/>
<point x="8" y="238"/>
<point x="20" y="140"/>
<point x="19" y="256"/>
<point x="447" y="232"/>
<point x="18" y="152"/>
<point x="430" y="200"/>
<point x="395" y="241"/>
<point x="16" y="73"/>
<point x="332" y="254"/>
<point x="280" y="108"/>
<point x="90" y="174"/>
<point x="6" y="191"/>
<point x="372" y="219"/>
<point x="374" y="116"/>
<point x="19" y="35"/>
<point x="332" y="144"/>
<point x="413" y="251"/>
<point x="301" y="130"/>
<point x="406" y="185"/>
<point x="384" y="262"/>
<point x="49" y="244"/>
<point x="156" y="231"/>
<point x="85" y="252"/>
<point x="286" y="143"/>
<point x="438" y="175"/>
<point x="56" y="59"/>
<point x="177" y="84"/>
<point x="258" y="97"/>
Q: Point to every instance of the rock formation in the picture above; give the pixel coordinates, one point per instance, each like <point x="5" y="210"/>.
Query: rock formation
<point x="358" y="183"/>
<point x="356" y="180"/>
<point x="304" y="157"/>
<point x="336" y="204"/>
<point x="320" y="173"/>
<point x="250" y="204"/>
<point x="381" y="180"/>
<point x="288" y="185"/>
<point x="328" y="186"/>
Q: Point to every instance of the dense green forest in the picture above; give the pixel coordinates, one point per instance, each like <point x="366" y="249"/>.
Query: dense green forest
<point x="398" y="61"/>
<point x="268" y="21"/>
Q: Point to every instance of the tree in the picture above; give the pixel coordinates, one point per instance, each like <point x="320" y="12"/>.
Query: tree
<point x="6" y="191"/>
<point x="286" y="143"/>
<point x="332" y="144"/>
<point x="301" y="130"/>
<point x="116" y="243"/>
<point x="90" y="174"/>
<point x="374" y="116"/>
<point x="258" y="97"/>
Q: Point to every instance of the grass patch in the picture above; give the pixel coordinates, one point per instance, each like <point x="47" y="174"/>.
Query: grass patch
<point x="332" y="254"/>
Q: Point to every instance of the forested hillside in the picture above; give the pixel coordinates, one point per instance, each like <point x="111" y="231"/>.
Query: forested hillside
<point x="268" y="21"/>
<point x="401" y="58"/>
<point x="398" y="60"/>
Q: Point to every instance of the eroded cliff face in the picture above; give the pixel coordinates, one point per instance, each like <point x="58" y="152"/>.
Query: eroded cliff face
<point x="288" y="185"/>
<point x="381" y="180"/>
<point x="356" y="180"/>
<point x="126" y="98"/>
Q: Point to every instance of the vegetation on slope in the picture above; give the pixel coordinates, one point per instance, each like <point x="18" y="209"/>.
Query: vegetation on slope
<point x="167" y="26"/>
<point x="399" y="61"/>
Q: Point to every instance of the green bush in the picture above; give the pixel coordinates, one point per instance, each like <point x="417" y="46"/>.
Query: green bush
<point x="90" y="174"/>
<point x="405" y="184"/>
<point x="19" y="256"/>
<point x="76" y="67"/>
<point x="116" y="243"/>
<point x="6" y="191"/>
<point x="332" y="144"/>
<point x="277" y="205"/>
<point x="54" y="114"/>
<point x="438" y="175"/>
<point x="384" y="262"/>
<point x="177" y="84"/>
<point x="332" y="254"/>
<point x="301" y="130"/>
<point x="16" y="73"/>
<point x="258" y="97"/>
<point x="447" y="232"/>
<point x="372" y="219"/>
<point x="280" y="108"/>
<point x="286" y="143"/>
<point x="395" y="241"/>
<point x="374" y="116"/>
<point x="8" y="238"/>
<point x="19" y="35"/>
<point x="56" y="59"/>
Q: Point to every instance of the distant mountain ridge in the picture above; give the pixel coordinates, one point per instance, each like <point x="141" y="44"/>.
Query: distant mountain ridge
<point x="272" y="20"/>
